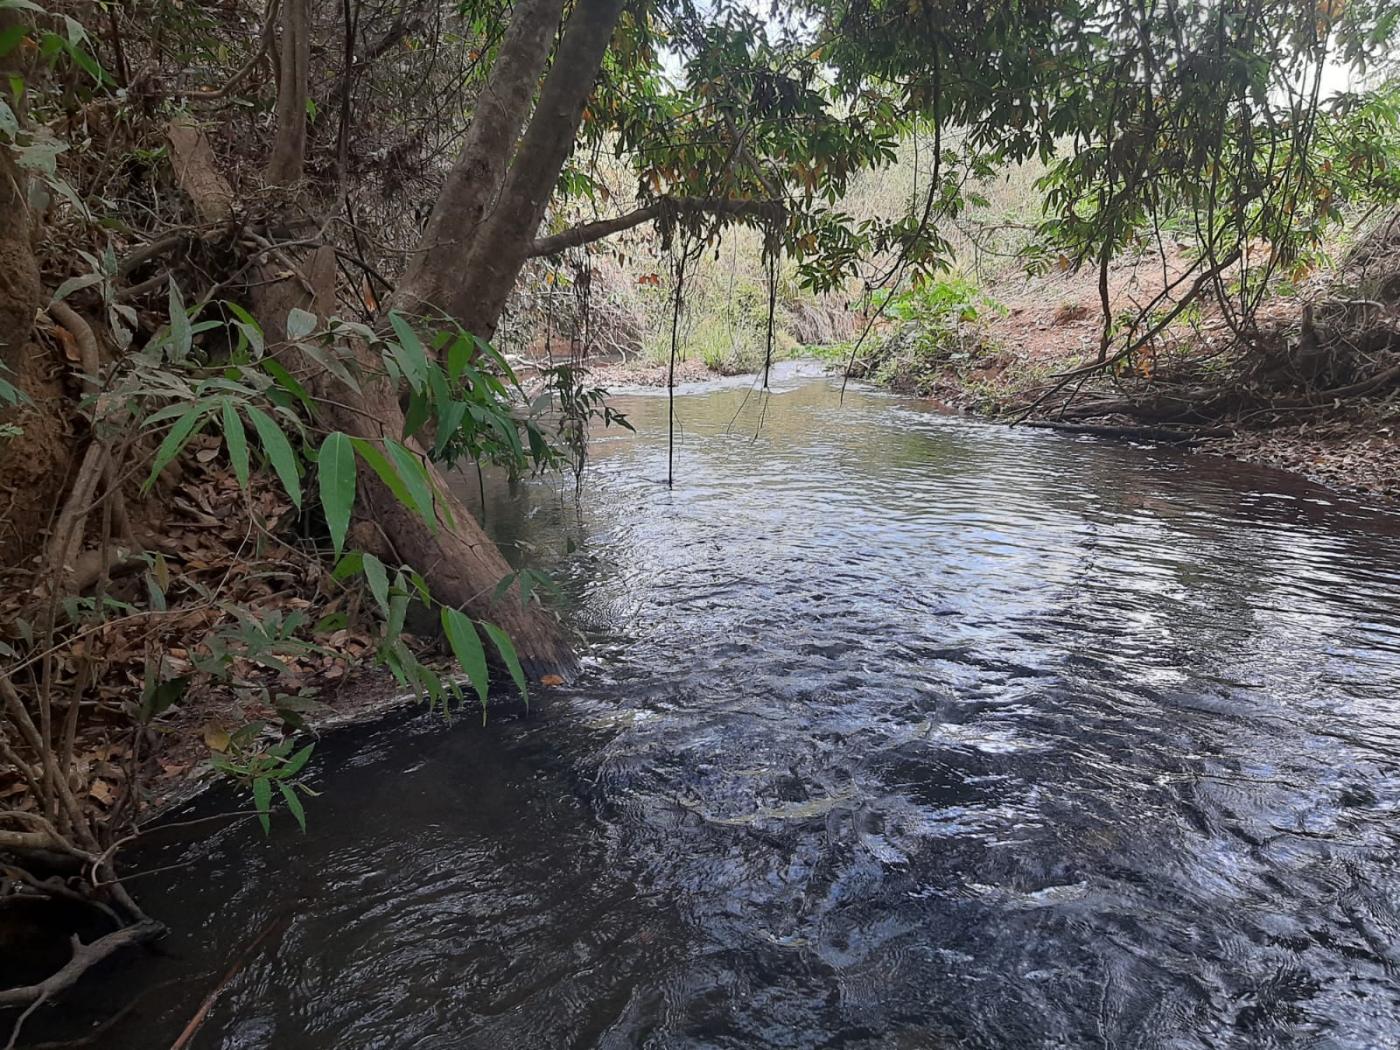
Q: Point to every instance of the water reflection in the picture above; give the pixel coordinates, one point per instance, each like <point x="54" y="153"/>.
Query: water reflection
<point x="898" y="731"/>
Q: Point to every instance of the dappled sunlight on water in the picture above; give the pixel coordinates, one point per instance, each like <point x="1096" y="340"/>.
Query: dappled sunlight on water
<point x="896" y="730"/>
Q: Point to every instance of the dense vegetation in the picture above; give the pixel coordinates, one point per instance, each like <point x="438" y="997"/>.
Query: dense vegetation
<point x="253" y="263"/>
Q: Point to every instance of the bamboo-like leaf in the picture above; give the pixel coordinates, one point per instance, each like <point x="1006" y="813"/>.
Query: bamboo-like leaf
<point x="413" y="359"/>
<point x="296" y="762"/>
<point x="336" y="469"/>
<point x="378" y="579"/>
<point x="385" y="470"/>
<point x="181" y="338"/>
<point x="415" y="478"/>
<point x="294" y="804"/>
<point x="236" y="440"/>
<point x="506" y="648"/>
<point x="279" y="451"/>
<point x="466" y="646"/>
<point x="176" y="439"/>
<point x="287" y="382"/>
<point x="262" y="802"/>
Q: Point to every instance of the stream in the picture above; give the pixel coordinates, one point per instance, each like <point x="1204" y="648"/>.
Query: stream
<point x="895" y="730"/>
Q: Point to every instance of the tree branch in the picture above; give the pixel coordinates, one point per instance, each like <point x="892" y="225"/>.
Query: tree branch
<point x="85" y="956"/>
<point x="672" y="206"/>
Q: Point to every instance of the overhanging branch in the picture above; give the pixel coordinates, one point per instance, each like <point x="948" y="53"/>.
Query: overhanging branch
<point x="673" y="206"/>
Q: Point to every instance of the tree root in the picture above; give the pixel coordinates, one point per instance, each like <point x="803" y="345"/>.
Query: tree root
<point x="85" y="957"/>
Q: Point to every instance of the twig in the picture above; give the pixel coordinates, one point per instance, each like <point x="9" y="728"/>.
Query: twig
<point x="85" y="957"/>
<point x="280" y="920"/>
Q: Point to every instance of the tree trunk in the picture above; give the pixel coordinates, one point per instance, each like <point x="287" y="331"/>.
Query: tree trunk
<point x="507" y="233"/>
<point x="462" y="565"/>
<point x="475" y="180"/>
<point x="459" y="561"/>
<point x="289" y="146"/>
<point x="477" y="239"/>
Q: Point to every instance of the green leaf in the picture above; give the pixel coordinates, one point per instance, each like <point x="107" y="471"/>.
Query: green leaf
<point x="262" y="802"/>
<point x="294" y="805"/>
<point x="236" y="440"/>
<point x="287" y="381"/>
<point x="73" y="284"/>
<point x="9" y="40"/>
<point x="448" y="423"/>
<point x="351" y="565"/>
<point x="300" y="323"/>
<point x="415" y="478"/>
<point x="181" y="338"/>
<point x="384" y="469"/>
<point x="378" y="579"/>
<point x="250" y="328"/>
<point x="336" y="466"/>
<point x="413" y="359"/>
<point x="417" y="414"/>
<point x="163" y="696"/>
<point x="175" y="440"/>
<point x="506" y="648"/>
<point x="466" y="646"/>
<point x="279" y="450"/>
<point x="296" y="762"/>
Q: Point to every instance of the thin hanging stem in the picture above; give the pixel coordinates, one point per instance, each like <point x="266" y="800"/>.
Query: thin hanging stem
<point x="676" y="305"/>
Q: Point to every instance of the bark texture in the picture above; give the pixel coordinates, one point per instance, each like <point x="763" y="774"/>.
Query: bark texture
<point x="507" y="233"/>
<point x="289" y="146"/>
<point x="460" y="562"/>
<point x="474" y="184"/>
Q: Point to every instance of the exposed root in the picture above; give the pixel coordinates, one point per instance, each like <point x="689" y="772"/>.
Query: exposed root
<point x="85" y="957"/>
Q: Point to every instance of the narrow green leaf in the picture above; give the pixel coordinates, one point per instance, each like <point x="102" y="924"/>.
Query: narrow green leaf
<point x="236" y="440"/>
<point x="351" y="565"/>
<point x="294" y="804"/>
<point x="415" y="478"/>
<point x="449" y="422"/>
<point x="384" y="469"/>
<point x="279" y="451"/>
<point x="336" y="467"/>
<point x="506" y="648"/>
<point x="287" y="382"/>
<point x="378" y="579"/>
<point x="466" y="646"/>
<point x="413" y="357"/>
<point x="181" y="338"/>
<point x="175" y="440"/>
<point x="262" y="802"/>
<point x="296" y="762"/>
<point x="73" y="284"/>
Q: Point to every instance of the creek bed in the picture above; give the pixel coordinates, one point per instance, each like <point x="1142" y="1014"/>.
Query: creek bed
<point x="896" y="730"/>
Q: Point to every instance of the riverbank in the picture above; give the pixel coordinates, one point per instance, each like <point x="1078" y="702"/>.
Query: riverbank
<point x="999" y="349"/>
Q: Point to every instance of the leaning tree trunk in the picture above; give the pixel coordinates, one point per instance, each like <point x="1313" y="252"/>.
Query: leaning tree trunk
<point x="474" y="183"/>
<point x="475" y="244"/>
<point x="503" y="241"/>
<point x="461" y="564"/>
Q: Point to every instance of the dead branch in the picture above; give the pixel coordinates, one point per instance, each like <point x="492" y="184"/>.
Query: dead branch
<point x="85" y="957"/>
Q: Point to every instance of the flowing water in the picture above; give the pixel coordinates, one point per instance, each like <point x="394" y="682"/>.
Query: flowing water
<point x="896" y="730"/>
